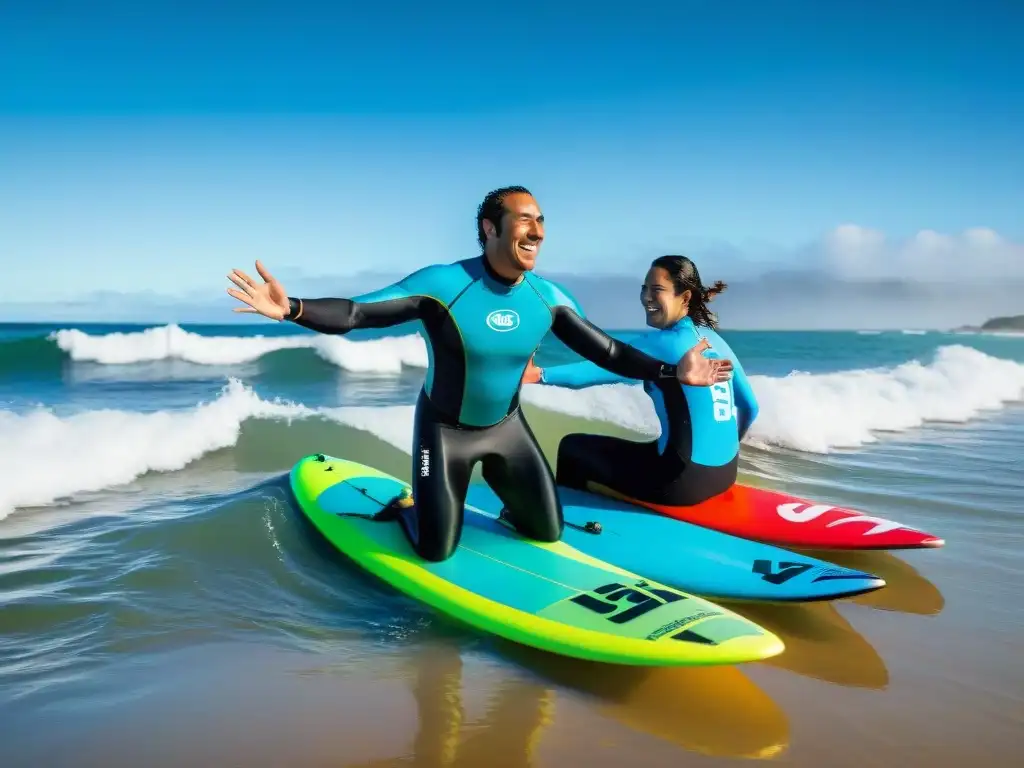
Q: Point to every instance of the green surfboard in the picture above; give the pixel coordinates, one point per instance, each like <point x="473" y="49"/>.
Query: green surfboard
<point x="545" y="595"/>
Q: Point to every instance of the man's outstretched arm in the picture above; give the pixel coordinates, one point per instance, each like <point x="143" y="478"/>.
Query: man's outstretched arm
<point x="393" y="305"/>
<point x="590" y="342"/>
<point x="588" y="374"/>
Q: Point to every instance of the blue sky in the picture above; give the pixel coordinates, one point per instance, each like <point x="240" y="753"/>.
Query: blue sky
<point x="148" y="148"/>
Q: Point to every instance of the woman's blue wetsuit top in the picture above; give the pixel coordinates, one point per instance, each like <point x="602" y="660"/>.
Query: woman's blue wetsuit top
<point x="481" y="332"/>
<point x="704" y="424"/>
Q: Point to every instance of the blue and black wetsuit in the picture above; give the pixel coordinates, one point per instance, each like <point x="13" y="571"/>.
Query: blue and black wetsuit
<point x="696" y="455"/>
<point x="481" y="331"/>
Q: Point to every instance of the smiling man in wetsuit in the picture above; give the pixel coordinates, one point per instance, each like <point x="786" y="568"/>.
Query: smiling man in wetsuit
<point x="484" y="318"/>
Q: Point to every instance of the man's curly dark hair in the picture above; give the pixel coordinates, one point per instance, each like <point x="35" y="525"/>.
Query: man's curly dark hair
<point x="493" y="208"/>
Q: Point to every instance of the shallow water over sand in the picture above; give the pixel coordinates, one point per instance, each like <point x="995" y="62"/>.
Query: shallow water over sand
<point x="188" y="617"/>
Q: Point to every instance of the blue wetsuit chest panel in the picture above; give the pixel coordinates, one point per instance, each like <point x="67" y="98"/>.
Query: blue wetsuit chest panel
<point x="481" y="331"/>
<point x="699" y="422"/>
<point x="499" y="327"/>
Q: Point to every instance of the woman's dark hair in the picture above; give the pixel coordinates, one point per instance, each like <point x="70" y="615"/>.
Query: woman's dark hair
<point x="685" y="277"/>
<point x="493" y="209"/>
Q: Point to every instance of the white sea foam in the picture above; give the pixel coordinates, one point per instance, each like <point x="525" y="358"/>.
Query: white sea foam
<point x="818" y="412"/>
<point x="45" y="457"/>
<point x="167" y="342"/>
<point x="802" y="411"/>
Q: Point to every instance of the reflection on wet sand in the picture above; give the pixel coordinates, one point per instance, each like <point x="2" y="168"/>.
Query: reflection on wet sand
<point x="507" y="734"/>
<point x="820" y="643"/>
<point x="715" y="711"/>
<point x="906" y="590"/>
<point x="711" y="710"/>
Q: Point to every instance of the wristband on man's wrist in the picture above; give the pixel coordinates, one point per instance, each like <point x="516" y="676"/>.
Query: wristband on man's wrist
<point x="294" y="309"/>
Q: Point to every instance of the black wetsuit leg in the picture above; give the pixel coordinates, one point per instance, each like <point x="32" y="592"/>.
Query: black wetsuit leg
<point x="637" y="470"/>
<point x="517" y="471"/>
<point x="443" y="460"/>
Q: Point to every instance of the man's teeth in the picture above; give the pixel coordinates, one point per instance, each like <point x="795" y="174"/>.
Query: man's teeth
<point x="530" y="248"/>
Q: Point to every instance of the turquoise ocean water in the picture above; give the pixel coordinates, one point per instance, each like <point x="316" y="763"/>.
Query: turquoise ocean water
<point x="144" y="528"/>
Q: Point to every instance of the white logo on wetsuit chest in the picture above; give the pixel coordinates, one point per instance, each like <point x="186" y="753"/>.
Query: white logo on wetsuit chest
<point x="424" y="462"/>
<point x="503" y="320"/>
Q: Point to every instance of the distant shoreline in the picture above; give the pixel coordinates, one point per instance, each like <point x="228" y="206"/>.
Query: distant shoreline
<point x="1013" y="324"/>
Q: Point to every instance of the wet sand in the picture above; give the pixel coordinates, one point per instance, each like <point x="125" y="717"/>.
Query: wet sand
<point x="906" y="676"/>
<point x="189" y="619"/>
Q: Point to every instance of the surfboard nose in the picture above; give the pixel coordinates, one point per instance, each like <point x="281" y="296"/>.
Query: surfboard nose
<point x="871" y="584"/>
<point x="845" y="583"/>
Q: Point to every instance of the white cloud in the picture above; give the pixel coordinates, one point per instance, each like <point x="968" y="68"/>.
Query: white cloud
<point x="852" y="252"/>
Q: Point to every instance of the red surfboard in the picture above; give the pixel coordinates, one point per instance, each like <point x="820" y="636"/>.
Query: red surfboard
<point x="777" y="518"/>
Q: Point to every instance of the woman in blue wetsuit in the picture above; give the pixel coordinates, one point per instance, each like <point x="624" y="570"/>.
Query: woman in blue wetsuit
<point x="696" y="455"/>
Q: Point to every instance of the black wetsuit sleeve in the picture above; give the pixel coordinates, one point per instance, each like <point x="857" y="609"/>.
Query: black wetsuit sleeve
<point x="344" y="315"/>
<point x="590" y="342"/>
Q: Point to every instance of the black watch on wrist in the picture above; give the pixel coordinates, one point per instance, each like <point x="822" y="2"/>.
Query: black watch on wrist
<point x="667" y="371"/>
<point x="293" y="307"/>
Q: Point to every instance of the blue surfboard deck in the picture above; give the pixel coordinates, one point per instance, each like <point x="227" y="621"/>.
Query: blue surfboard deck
<point x="545" y="595"/>
<point x="690" y="557"/>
